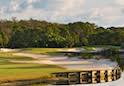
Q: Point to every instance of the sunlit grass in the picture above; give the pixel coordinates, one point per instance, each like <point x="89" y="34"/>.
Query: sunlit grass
<point x="21" y="71"/>
<point x="11" y="72"/>
<point x="10" y="56"/>
<point x="49" y="51"/>
<point x="40" y="50"/>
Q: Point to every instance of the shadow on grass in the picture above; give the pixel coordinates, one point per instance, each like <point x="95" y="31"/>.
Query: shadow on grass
<point x="33" y="67"/>
<point x="42" y="81"/>
<point x="55" y="53"/>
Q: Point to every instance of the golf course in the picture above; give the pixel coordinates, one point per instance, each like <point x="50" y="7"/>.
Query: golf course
<point x="35" y="65"/>
<point x="19" y="68"/>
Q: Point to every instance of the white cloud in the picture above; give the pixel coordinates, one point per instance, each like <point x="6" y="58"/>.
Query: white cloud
<point x="32" y="13"/>
<point x="104" y="12"/>
<point x="107" y="14"/>
<point x="1" y="10"/>
<point x="25" y="14"/>
<point x="61" y="8"/>
<point x="13" y="5"/>
<point x="120" y="2"/>
<point x="32" y="1"/>
<point x="69" y="7"/>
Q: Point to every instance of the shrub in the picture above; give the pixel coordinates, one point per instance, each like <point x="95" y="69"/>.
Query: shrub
<point x="122" y="45"/>
<point x="110" y="51"/>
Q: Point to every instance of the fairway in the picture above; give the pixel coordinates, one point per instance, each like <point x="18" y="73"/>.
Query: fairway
<point x="10" y="71"/>
<point x="37" y="64"/>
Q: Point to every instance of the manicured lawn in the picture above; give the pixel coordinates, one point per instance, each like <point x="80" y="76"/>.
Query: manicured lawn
<point x="49" y="51"/>
<point x="21" y="71"/>
<point x="52" y="51"/>
<point x="88" y="48"/>
<point x="11" y="72"/>
<point x="40" y="50"/>
<point x="10" y="56"/>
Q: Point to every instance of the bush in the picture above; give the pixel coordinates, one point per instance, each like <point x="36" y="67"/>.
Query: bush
<point x="86" y="56"/>
<point x="122" y="45"/>
<point x="110" y="51"/>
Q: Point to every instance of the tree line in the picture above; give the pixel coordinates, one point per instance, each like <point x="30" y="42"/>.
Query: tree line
<point x="35" y="33"/>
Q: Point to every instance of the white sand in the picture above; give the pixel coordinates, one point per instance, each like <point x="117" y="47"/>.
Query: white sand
<point x="70" y="63"/>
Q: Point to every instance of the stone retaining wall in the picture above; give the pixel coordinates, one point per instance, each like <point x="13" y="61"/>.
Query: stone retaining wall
<point x="86" y="77"/>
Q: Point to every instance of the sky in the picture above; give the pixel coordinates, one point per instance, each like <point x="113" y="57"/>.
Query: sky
<point x="102" y="12"/>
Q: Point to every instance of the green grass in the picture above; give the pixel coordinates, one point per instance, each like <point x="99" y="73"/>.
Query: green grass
<point x="21" y="71"/>
<point x="51" y="51"/>
<point x="12" y="72"/>
<point x="88" y="48"/>
<point x="48" y="51"/>
<point x="10" y="56"/>
<point x="40" y="50"/>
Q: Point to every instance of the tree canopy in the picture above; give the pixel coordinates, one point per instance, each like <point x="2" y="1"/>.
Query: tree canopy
<point x="34" y="33"/>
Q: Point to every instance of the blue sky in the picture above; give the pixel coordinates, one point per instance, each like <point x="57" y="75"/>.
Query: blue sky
<point x="101" y="12"/>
